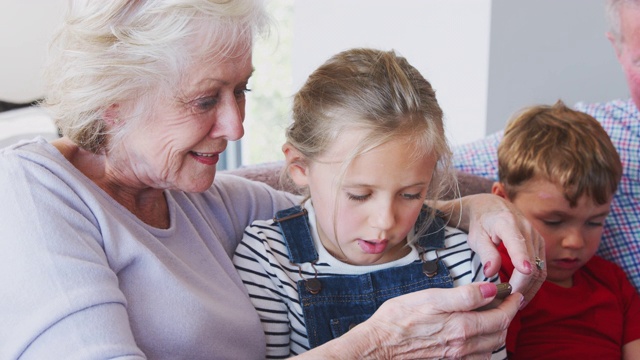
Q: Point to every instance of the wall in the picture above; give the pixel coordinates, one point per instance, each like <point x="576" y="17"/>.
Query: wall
<point x="485" y="58"/>
<point x="545" y="50"/>
<point x="25" y="29"/>
<point x="447" y="40"/>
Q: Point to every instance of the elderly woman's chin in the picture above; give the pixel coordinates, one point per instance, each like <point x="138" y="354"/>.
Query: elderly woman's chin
<point x="201" y="183"/>
<point x="194" y="181"/>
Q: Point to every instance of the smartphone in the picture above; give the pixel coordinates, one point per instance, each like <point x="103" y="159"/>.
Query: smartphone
<point x="504" y="290"/>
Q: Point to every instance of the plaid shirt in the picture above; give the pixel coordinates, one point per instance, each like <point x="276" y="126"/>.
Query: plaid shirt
<point x="621" y="237"/>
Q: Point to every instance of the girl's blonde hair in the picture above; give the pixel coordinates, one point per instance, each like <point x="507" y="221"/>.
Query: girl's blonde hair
<point x="377" y="91"/>
<point x="135" y="53"/>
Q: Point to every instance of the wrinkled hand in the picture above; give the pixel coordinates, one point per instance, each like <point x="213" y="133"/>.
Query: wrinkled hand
<point x="435" y="324"/>
<point x="491" y="220"/>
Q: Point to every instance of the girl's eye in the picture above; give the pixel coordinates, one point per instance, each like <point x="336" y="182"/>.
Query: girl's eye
<point x="417" y="196"/>
<point x="357" y="197"/>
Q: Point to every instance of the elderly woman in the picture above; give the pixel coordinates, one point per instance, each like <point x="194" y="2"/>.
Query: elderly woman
<point x="116" y="242"/>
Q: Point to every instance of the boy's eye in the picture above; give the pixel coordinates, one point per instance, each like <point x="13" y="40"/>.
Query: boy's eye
<point x="552" y="222"/>
<point x="595" y="223"/>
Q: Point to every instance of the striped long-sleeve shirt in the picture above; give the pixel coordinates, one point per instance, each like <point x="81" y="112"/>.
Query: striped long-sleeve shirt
<point x="263" y="264"/>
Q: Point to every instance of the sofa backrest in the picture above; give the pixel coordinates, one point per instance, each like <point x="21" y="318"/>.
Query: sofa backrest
<point x="269" y="173"/>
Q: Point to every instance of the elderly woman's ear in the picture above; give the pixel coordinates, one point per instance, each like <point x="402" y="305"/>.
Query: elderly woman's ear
<point x="112" y="116"/>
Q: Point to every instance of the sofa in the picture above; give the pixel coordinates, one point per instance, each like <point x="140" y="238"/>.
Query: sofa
<point x="23" y="121"/>
<point x="269" y="173"/>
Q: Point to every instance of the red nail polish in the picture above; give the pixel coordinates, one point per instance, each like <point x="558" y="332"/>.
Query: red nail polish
<point x="488" y="290"/>
<point x="523" y="303"/>
<point x="486" y="266"/>
<point x="527" y="266"/>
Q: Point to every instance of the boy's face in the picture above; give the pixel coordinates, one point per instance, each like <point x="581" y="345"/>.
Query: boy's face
<point x="364" y="218"/>
<point x="571" y="234"/>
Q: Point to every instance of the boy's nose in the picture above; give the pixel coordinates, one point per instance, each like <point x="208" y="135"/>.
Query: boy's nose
<point x="573" y="239"/>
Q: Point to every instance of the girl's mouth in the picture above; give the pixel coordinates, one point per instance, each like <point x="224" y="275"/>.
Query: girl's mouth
<point x="373" y="247"/>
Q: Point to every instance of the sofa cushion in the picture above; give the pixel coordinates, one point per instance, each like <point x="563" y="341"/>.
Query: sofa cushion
<point x="269" y="173"/>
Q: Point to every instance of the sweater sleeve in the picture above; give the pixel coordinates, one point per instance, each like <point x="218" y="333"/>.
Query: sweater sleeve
<point x="237" y="202"/>
<point x="64" y="302"/>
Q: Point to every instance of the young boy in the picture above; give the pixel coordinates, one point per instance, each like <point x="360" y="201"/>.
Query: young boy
<point x="560" y="169"/>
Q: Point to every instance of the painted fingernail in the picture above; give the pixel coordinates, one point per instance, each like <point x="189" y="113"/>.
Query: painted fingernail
<point x="488" y="290"/>
<point x="523" y="303"/>
<point x="486" y="266"/>
<point x="527" y="266"/>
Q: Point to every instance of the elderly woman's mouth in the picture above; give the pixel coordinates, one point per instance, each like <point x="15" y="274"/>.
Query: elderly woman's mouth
<point x="205" y="158"/>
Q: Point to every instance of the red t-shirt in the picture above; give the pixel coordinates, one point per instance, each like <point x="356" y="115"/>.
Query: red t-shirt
<point x="591" y="320"/>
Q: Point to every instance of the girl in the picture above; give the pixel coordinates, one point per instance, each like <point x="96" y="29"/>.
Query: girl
<point x="367" y="147"/>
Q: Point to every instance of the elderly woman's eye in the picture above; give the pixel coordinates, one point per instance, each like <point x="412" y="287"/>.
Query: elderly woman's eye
<point x="204" y="104"/>
<point x="240" y="93"/>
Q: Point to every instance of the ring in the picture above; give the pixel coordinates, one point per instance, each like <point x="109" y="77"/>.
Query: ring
<point x="539" y="263"/>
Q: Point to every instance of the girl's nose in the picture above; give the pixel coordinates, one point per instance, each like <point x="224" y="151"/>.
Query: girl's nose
<point x="383" y="217"/>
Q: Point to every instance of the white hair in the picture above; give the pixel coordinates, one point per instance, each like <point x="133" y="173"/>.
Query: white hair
<point x="612" y="13"/>
<point x="134" y="52"/>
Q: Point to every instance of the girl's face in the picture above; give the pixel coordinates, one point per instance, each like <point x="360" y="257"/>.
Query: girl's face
<point x="365" y="217"/>
<point x="179" y="144"/>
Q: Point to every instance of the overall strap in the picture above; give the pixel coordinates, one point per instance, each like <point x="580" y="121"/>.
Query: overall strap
<point x="294" y="223"/>
<point x="433" y="237"/>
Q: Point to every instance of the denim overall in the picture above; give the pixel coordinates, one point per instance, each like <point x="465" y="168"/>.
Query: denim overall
<point x="334" y="304"/>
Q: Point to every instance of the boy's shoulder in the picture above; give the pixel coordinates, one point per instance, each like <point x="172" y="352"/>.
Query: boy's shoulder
<point x="598" y="264"/>
<point x="606" y="272"/>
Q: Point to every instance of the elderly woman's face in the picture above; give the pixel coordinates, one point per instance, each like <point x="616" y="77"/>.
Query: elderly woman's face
<point x="179" y="146"/>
